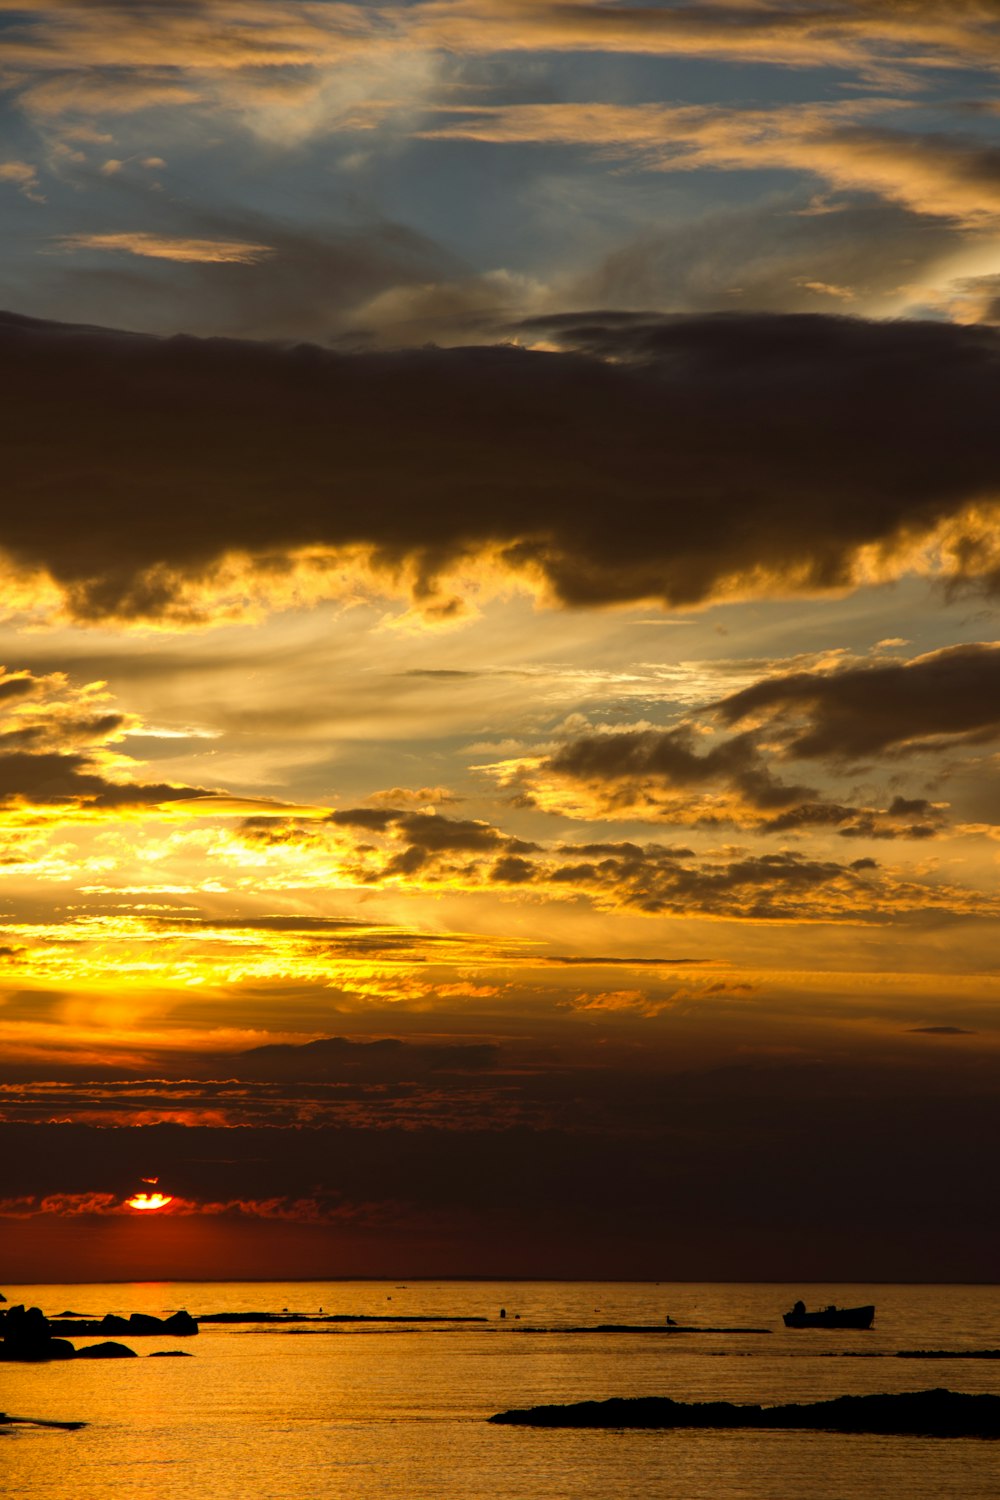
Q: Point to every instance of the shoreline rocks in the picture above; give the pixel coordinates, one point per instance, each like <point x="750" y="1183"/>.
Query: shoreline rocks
<point x="934" y="1413"/>
<point x="28" y="1339"/>
<point x="137" y="1325"/>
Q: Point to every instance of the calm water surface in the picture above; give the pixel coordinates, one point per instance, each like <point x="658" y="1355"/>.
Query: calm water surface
<point x="399" y="1411"/>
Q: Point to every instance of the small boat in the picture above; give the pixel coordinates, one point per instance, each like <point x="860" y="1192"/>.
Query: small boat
<point x="830" y="1317"/>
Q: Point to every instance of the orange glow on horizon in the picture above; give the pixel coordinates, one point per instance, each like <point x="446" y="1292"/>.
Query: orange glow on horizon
<point x="149" y="1200"/>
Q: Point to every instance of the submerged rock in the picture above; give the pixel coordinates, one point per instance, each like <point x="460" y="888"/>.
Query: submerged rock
<point x="8" y="1421"/>
<point x="108" y="1350"/>
<point x="935" y="1413"/>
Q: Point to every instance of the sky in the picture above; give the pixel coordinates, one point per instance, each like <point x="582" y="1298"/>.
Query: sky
<point x="500" y="573"/>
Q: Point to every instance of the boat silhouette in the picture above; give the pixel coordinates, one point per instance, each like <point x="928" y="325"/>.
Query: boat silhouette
<point x="830" y="1317"/>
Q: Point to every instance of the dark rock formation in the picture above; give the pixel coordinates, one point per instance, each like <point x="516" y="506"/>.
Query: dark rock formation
<point x="27" y="1336"/>
<point x="937" y="1413"/>
<point x="138" y="1325"/>
<point x="948" y="1354"/>
<point x="170" y="1354"/>
<point x="9" y="1421"/>
<point x="108" y="1350"/>
<point x="271" y="1317"/>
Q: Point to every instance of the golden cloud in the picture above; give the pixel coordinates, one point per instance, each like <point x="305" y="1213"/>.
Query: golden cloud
<point x="168" y="247"/>
<point x="937" y="175"/>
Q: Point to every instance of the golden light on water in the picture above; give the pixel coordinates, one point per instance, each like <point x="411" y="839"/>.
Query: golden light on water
<point x="149" y="1200"/>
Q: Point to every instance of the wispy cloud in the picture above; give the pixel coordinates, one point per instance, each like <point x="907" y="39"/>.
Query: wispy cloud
<point x="936" y="175"/>
<point x="166" y="247"/>
<point x="24" y="177"/>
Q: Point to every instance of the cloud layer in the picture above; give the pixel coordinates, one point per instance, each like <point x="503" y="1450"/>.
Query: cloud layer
<point x="683" y="459"/>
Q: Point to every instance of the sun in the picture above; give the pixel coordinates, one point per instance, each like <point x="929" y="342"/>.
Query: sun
<point x="149" y="1200"/>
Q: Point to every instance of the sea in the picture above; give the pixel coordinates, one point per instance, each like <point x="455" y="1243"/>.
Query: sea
<point x="398" y="1409"/>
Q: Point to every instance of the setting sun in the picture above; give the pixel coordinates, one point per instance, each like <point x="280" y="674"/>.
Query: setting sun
<point x="149" y="1200"/>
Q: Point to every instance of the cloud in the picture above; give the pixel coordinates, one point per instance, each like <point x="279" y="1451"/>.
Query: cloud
<point x="875" y="36"/>
<point x="779" y="255"/>
<point x="651" y="1138"/>
<point x="58" y="750"/>
<point x="912" y="818"/>
<point x="660" y="879"/>
<point x="685" y="459"/>
<point x="935" y="174"/>
<point x="943" y="1030"/>
<point x="239" y="272"/>
<point x="314" y="1210"/>
<point x="658" y="775"/>
<point x="24" y="176"/>
<point x="168" y="247"/>
<point x="287" y="57"/>
<point x="437" y="834"/>
<point x="670" y="757"/>
<point x="945" y="699"/>
<point x="389" y="1060"/>
<point x="599" y="961"/>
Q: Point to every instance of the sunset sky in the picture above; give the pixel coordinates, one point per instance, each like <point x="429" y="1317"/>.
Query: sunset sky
<point x="499" y="573"/>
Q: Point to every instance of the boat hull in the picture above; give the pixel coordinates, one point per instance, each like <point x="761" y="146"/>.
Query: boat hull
<point x="832" y="1317"/>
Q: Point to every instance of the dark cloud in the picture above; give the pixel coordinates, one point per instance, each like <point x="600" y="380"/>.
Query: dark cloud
<point x="943" y="1030"/>
<point x="292" y="924"/>
<point x="669" y="756"/>
<point x="17" y="687"/>
<point x="624" y="849"/>
<point x="617" y="1186"/>
<point x="856" y="822"/>
<point x="49" y="778"/>
<point x="376" y="819"/>
<point x="947" y="696"/>
<point x="600" y="960"/>
<point x="439" y="672"/>
<point x="768" y="887"/>
<point x="512" y="871"/>
<point x="435" y="834"/>
<point x="273" y="831"/>
<point x="339" y="1058"/>
<point x="657" y="457"/>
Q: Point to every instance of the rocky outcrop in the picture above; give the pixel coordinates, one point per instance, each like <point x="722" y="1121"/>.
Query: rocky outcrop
<point x="138" y="1325"/>
<point x="8" y="1421"/>
<point x="107" y="1350"/>
<point x="27" y="1336"/>
<point x="936" y="1413"/>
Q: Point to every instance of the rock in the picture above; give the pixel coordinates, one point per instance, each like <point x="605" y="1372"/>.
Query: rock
<point x="181" y="1324"/>
<point x="112" y="1323"/>
<point x="171" y="1354"/>
<point x="27" y="1337"/>
<point x="8" y="1421"/>
<point x="145" y="1323"/>
<point x="36" y="1353"/>
<point x="935" y="1413"/>
<point x="108" y="1350"/>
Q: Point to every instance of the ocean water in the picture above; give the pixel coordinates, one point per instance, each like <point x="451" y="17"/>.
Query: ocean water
<point x="363" y="1411"/>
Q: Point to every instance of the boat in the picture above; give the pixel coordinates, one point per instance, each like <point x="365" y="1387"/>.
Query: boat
<point x="830" y="1317"/>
